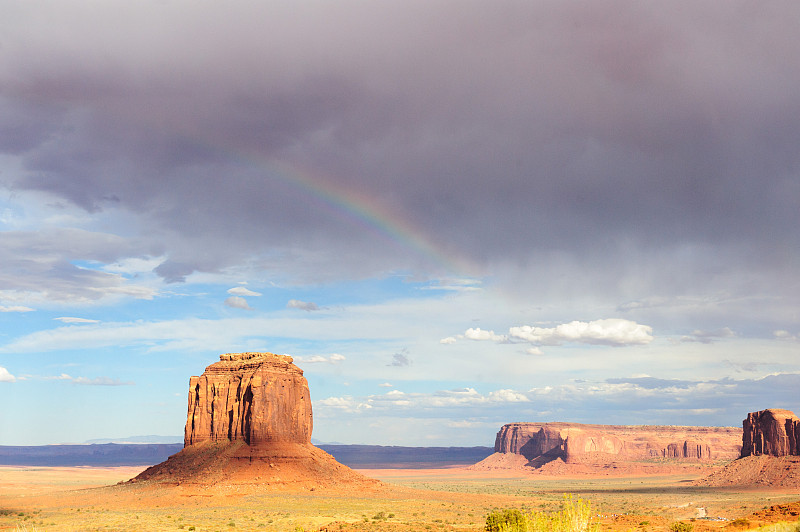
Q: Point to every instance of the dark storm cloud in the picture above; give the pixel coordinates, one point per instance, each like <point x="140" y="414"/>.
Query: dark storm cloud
<point x="593" y="141"/>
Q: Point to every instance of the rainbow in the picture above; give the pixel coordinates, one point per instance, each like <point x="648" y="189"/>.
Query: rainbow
<point x="364" y="210"/>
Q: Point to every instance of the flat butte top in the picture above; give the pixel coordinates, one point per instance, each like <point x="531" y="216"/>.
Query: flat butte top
<point x="780" y="413"/>
<point x="230" y="362"/>
<point x="622" y="428"/>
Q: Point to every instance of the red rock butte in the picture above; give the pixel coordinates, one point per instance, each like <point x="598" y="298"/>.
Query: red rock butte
<point x="249" y="421"/>
<point x="252" y="397"/>
<point x="771" y="432"/>
<point x="770" y="452"/>
<point x="535" y="444"/>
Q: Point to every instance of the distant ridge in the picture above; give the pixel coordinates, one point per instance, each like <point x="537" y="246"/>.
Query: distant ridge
<point x="134" y="454"/>
<point x="395" y="457"/>
<point x="104" y="454"/>
<point x="138" y="440"/>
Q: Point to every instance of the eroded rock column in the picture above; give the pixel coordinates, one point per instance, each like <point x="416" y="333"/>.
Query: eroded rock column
<point x="253" y="397"/>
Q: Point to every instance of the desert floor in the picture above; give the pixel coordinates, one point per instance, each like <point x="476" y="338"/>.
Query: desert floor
<point x="87" y="498"/>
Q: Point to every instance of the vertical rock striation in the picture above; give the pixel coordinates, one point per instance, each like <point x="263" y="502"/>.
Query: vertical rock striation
<point x="249" y="424"/>
<point x="251" y="397"/>
<point x="771" y="432"/>
<point x="580" y="443"/>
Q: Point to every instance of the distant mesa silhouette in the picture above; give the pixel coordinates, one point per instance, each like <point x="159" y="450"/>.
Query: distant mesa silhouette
<point x="249" y="421"/>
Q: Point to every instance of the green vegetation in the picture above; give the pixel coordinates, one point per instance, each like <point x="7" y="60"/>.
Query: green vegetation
<point x="779" y="527"/>
<point x="680" y="526"/>
<point x="574" y="516"/>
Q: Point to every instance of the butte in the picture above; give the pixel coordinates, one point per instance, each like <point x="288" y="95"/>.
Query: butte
<point x="770" y="452"/>
<point x="249" y="422"/>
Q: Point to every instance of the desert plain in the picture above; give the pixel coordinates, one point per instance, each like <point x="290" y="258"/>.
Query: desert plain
<point x="247" y="464"/>
<point x="455" y="498"/>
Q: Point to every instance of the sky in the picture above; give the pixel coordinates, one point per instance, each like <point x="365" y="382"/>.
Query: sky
<point x="453" y="215"/>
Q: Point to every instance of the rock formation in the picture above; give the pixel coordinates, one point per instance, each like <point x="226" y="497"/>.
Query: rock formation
<point x="579" y="443"/>
<point x="249" y="421"/>
<point x="253" y="397"/>
<point x="773" y="432"/>
<point x="770" y="453"/>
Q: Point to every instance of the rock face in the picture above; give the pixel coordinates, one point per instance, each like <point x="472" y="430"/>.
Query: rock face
<point x="772" y="432"/>
<point x="770" y="453"/>
<point x="579" y="443"/>
<point x="253" y="397"/>
<point x="249" y="424"/>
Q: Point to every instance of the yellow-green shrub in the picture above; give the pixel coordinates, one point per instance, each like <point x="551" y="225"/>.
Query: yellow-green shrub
<point x="574" y="516"/>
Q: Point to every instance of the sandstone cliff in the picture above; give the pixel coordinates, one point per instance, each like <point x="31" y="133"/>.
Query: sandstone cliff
<point x="253" y="397"/>
<point x="580" y="443"/>
<point x="770" y="453"/>
<point x="249" y="422"/>
<point x="772" y="432"/>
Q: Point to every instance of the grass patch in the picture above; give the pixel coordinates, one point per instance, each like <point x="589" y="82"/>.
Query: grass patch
<point x="574" y="516"/>
<point x="779" y="527"/>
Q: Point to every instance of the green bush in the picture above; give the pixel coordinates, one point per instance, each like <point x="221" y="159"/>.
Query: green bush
<point x="680" y="526"/>
<point x="574" y="516"/>
<point x="505" y="520"/>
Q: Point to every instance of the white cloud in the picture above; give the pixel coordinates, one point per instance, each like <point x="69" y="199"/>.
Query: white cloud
<point x="15" y="308"/>
<point x="208" y="334"/>
<point x="308" y="306"/>
<point x="443" y="399"/>
<point x="784" y="335"/>
<point x="101" y="381"/>
<point x="238" y="302"/>
<point x="480" y="334"/>
<point x="5" y="376"/>
<point x="507" y="396"/>
<point x="614" y="331"/>
<point x="86" y="381"/>
<point x="68" y="319"/>
<point x="242" y="291"/>
<point x="707" y="337"/>
<point x="455" y="285"/>
<point x="134" y="265"/>
<point x="62" y="377"/>
<point x="471" y="397"/>
<point x="466" y="424"/>
<point x="345" y="403"/>
<point x="334" y="358"/>
<point x="386" y="385"/>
